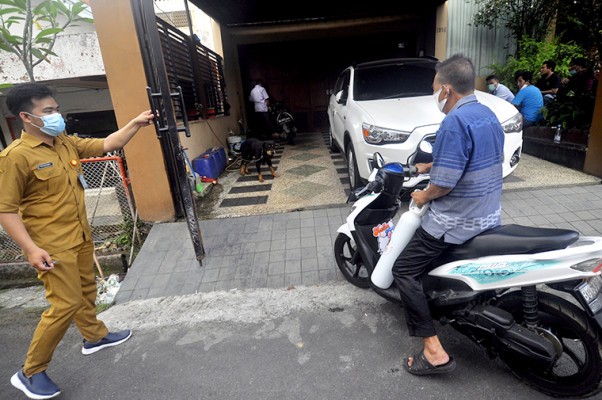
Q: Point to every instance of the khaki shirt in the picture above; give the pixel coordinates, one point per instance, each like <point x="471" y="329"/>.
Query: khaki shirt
<point x="41" y="184"/>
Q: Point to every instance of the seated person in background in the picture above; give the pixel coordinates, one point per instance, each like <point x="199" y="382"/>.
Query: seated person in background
<point x="549" y="82"/>
<point x="581" y="81"/>
<point x="528" y="100"/>
<point x="497" y="89"/>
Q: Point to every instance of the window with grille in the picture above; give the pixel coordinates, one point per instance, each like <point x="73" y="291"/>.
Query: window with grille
<point x="197" y="69"/>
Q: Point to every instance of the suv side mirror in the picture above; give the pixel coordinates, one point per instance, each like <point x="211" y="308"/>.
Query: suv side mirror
<point x="341" y="97"/>
<point x="426" y="147"/>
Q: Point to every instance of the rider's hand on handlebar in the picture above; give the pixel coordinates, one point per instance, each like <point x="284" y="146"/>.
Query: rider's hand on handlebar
<point x="423" y="168"/>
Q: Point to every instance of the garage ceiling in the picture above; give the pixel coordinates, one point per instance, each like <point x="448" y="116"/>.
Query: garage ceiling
<point x="234" y="13"/>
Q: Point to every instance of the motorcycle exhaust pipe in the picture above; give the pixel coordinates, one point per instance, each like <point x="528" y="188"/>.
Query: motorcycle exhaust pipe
<point x="513" y="339"/>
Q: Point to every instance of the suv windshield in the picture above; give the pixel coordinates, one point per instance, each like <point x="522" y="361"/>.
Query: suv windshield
<point x="393" y="81"/>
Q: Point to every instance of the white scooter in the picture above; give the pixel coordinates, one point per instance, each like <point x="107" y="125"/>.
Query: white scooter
<point x="531" y="296"/>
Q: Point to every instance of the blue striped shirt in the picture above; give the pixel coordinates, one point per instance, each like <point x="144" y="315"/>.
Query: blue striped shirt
<point x="467" y="158"/>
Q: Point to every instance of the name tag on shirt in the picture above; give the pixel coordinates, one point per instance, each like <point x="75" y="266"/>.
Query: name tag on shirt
<point x="82" y="180"/>
<point x="45" y="165"/>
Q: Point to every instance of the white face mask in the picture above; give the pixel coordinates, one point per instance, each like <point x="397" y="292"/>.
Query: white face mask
<point x="440" y="104"/>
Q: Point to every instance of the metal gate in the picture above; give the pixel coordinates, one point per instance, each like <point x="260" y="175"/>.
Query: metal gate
<point x="165" y="103"/>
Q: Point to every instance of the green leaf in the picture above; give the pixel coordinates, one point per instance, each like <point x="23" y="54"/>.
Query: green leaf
<point x="6" y="47"/>
<point x="12" y="20"/>
<point x="37" y="53"/>
<point x="13" y="40"/>
<point x="61" y="7"/>
<point x="40" y="7"/>
<point x="8" y="3"/>
<point x="78" y="8"/>
<point x="44" y="40"/>
<point x="42" y="54"/>
<point x="48" y="52"/>
<point x="4" y="11"/>
<point x="48" y="32"/>
<point x="86" y="20"/>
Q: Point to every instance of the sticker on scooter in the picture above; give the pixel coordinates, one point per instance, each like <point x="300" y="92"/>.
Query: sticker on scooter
<point x="499" y="271"/>
<point x="383" y="234"/>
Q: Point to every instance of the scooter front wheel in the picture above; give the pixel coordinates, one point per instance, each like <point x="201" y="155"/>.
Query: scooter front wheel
<point x="350" y="262"/>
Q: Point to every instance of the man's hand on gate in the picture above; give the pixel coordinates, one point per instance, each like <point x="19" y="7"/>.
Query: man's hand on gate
<point x="144" y="119"/>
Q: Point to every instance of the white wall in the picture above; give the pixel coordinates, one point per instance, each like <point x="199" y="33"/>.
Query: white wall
<point x="78" y="55"/>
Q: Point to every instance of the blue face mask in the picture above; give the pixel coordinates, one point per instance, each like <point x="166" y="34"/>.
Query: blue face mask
<point x="572" y="72"/>
<point x="54" y="124"/>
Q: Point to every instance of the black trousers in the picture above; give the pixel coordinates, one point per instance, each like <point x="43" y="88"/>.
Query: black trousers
<point x="263" y="125"/>
<point x="413" y="262"/>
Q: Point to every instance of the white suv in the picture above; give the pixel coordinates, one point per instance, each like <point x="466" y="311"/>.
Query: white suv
<point x="387" y="106"/>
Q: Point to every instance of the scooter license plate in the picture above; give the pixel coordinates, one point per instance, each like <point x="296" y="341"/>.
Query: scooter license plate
<point x="591" y="291"/>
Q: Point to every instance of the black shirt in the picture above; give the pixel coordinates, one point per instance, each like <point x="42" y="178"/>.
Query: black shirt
<point x="548" y="83"/>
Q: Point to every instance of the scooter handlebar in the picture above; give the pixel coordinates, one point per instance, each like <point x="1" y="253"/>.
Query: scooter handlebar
<point x="412" y="171"/>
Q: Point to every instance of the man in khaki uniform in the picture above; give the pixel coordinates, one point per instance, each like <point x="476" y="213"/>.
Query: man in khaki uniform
<point x="42" y="208"/>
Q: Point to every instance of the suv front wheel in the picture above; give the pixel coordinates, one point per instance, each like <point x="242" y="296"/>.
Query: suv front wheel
<point x="354" y="175"/>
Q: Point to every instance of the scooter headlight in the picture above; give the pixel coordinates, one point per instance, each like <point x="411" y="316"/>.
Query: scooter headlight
<point x="377" y="135"/>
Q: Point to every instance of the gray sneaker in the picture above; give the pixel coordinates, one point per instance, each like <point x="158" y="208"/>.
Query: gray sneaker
<point x="112" y="339"/>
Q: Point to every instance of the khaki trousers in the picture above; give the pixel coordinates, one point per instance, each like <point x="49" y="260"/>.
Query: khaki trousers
<point x="71" y="292"/>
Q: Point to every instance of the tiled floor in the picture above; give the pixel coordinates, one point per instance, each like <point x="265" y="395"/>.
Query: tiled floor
<point x="310" y="176"/>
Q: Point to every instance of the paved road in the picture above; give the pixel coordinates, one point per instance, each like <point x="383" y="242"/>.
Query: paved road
<point x="324" y="342"/>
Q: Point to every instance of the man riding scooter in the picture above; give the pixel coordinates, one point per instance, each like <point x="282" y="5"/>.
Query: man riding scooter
<point x="464" y="194"/>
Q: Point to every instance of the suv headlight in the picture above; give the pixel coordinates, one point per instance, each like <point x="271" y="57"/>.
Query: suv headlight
<point x="514" y="124"/>
<point x="378" y="135"/>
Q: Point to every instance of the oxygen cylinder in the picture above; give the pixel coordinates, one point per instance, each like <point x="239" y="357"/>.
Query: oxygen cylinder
<point x="382" y="276"/>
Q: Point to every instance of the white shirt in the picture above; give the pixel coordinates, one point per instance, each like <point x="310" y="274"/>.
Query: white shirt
<point x="503" y="92"/>
<point x="259" y="96"/>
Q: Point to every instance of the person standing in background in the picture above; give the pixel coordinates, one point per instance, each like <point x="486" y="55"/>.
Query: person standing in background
<point x="261" y="101"/>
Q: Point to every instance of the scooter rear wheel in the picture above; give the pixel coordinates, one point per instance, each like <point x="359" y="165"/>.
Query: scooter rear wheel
<point x="349" y="262"/>
<point x="578" y="371"/>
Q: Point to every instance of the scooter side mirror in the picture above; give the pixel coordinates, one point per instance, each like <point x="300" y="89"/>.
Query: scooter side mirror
<point x="378" y="159"/>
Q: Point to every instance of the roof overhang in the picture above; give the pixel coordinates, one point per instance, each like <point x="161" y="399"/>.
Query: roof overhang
<point x="247" y="13"/>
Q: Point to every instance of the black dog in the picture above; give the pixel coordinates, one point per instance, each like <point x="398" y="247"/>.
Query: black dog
<point x="260" y="152"/>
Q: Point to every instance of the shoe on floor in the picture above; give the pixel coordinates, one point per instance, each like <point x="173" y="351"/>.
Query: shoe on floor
<point x="39" y="386"/>
<point x="112" y="339"/>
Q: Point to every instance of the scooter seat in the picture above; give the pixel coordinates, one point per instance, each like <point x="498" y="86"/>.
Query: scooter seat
<point x="514" y="239"/>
